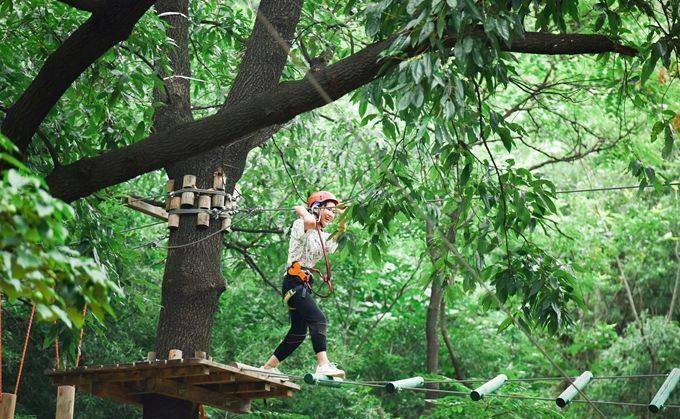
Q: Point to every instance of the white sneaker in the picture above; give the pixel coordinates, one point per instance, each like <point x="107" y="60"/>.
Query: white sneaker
<point x="329" y="369"/>
<point x="271" y="370"/>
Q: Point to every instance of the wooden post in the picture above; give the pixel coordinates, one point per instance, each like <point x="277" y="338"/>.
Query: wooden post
<point x="66" y="397"/>
<point x="7" y="405"/>
<point x="151" y="356"/>
<point x="200" y="355"/>
<point x="189" y="181"/>
<point x="175" y="354"/>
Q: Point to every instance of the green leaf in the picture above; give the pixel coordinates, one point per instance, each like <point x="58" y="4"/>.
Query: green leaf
<point x="649" y="65"/>
<point x="669" y="140"/>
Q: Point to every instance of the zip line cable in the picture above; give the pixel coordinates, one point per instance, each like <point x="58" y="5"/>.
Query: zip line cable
<point x="613" y="188"/>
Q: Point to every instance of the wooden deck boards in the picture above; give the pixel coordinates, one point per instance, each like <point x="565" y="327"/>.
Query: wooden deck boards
<point x="228" y="387"/>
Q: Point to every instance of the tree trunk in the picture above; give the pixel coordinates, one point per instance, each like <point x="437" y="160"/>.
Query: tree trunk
<point x="192" y="282"/>
<point x="457" y="366"/>
<point x="431" y="333"/>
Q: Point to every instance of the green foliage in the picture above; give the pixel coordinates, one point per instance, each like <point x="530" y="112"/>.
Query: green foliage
<point x="37" y="266"/>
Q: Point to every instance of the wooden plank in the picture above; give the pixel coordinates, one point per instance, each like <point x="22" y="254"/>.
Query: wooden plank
<point x="134" y="375"/>
<point x="247" y="375"/>
<point x="96" y="369"/>
<point x="145" y="208"/>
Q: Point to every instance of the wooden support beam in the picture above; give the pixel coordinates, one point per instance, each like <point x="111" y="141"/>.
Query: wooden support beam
<point x="213" y="378"/>
<point x="241" y="388"/>
<point x="113" y="391"/>
<point x="192" y="393"/>
<point x="145" y="208"/>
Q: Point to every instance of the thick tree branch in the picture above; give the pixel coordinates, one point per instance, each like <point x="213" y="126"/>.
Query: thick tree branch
<point x="89" y="42"/>
<point x="252" y="264"/>
<point x="92" y="6"/>
<point x="274" y="107"/>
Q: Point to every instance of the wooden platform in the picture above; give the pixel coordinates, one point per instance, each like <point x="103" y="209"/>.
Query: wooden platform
<point x="227" y="387"/>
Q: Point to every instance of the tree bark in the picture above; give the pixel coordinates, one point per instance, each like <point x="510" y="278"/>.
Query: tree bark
<point x="192" y="282"/>
<point x="432" y="335"/>
<point x="676" y="288"/>
<point x="275" y="106"/>
<point x="107" y="27"/>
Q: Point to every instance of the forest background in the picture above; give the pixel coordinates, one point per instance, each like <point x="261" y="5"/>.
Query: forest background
<point x="465" y="170"/>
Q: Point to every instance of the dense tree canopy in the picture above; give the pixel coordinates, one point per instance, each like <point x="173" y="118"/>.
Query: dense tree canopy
<point x="479" y="147"/>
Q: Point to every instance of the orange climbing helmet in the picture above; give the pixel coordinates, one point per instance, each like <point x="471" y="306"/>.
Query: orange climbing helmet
<point x="320" y="197"/>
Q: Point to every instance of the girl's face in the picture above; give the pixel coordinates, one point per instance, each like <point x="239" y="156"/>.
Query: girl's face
<point x="327" y="214"/>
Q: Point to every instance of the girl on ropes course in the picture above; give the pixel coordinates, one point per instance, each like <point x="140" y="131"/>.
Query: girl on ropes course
<point x="308" y="245"/>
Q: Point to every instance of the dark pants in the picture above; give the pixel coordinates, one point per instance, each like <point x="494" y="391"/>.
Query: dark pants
<point x="304" y="314"/>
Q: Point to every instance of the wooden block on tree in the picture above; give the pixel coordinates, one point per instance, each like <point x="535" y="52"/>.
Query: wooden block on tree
<point x="187" y="199"/>
<point x="173" y="221"/>
<point x="175" y="354"/>
<point x="218" y="201"/>
<point x="204" y="201"/>
<point x="203" y="219"/>
<point x="175" y="202"/>
<point x="66" y="397"/>
<point x="189" y="181"/>
<point x="151" y="356"/>
<point x="218" y="180"/>
<point x="7" y="405"/>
